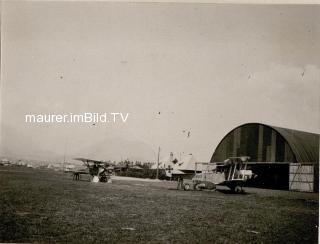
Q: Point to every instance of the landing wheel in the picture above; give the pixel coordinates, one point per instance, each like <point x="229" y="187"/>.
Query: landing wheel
<point x="211" y="186"/>
<point x="186" y="187"/>
<point x="198" y="187"/>
<point x="238" y="189"/>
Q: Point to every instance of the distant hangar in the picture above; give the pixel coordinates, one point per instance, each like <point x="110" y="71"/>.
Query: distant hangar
<point x="285" y="158"/>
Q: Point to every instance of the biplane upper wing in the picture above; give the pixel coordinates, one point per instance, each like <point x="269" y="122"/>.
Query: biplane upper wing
<point x="91" y="162"/>
<point x="251" y="163"/>
<point x="87" y="160"/>
<point x="259" y="163"/>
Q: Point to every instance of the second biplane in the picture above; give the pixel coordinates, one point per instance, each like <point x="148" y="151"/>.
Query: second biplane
<point x="99" y="171"/>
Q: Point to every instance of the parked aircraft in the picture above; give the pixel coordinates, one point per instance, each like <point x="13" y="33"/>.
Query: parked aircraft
<point x="232" y="173"/>
<point x="99" y="171"/>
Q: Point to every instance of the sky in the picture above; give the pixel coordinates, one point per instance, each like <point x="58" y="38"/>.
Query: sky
<point x="203" y="68"/>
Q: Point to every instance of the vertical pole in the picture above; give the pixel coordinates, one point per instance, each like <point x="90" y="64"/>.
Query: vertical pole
<point x="158" y="163"/>
<point x="64" y="156"/>
<point x="64" y="162"/>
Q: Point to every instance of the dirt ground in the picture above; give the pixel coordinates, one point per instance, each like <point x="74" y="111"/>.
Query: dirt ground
<point x="47" y="206"/>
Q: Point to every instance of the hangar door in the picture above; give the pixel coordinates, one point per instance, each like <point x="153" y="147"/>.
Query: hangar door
<point x="301" y="177"/>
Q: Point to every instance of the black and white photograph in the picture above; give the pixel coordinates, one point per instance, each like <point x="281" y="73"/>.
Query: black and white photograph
<point x="159" y="121"/>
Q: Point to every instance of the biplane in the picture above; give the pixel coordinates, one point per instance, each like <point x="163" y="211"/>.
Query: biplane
<point x="232" y="173"/>
<point x="99" y="171"/>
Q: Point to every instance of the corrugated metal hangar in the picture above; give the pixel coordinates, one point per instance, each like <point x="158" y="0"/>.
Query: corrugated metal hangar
<point x="282" y="158"/>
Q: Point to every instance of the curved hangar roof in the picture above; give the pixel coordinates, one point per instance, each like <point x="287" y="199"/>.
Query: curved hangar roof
<point x="266" y="143"/>
<point x="304" y="145"/>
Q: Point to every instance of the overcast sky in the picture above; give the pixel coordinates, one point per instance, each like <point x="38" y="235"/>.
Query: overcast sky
<point x="206" y="68"/>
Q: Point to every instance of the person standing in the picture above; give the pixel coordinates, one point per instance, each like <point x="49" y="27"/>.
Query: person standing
<point x="180" y="183"/>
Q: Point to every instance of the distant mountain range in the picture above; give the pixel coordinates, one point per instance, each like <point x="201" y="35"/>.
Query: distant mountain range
<point x="115" y="149"/>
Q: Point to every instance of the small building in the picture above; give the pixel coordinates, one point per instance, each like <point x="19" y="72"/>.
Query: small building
<point x="167" y="163"/>
<point x="283" y="158"/>
<point x="5" y="162"/>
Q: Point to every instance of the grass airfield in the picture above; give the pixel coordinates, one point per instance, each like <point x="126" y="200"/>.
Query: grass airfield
<point x="42" y="206"/>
